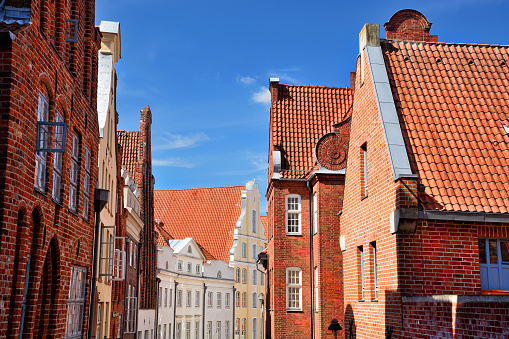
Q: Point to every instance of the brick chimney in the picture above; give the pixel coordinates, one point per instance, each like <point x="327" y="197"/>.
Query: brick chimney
<point x="409" y="25"/>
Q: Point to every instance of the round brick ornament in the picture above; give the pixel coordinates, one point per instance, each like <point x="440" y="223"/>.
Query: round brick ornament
<point x="330" y="152"/>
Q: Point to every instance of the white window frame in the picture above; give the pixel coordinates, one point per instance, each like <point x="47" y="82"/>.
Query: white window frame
<point x="218" y="300"/>
<point x="293" y="214"/>
<point x="227" y="300"/>
<point x="189" y="267"/>
<point x="56" y="192"/>
<point x="255" y="328"/>
<point x="237" y="274"/>
<point x="197" y="301"/>
<point x="209" y="329"/>
<point x="197" y="330"/>
<point x="188" y="330"/>
<point x="227" y="329"/>
<point x="166" y="297"/>
<point x="244" y="276"/>
<point x="180" y="265"/>
<point x="198" y="269"/>
<point x="237" y="328"/>
<point x="188" y="298"/>
<point x="244" y="299"/>
<point x="315" y="212"/>
<point x="218" y="330"/>
<point x="179" y="298"/>
<point x="262" y="278"/>
<point x="74" y="173"/>
<point x="244" y="250"/>
<point x="41" y="157"/>
<point x="375" y="268"/>
<point x="253" y="250"/>
<point x="253" y="221"/>
<point x="178" y="330"/>
<point x="119" y="260"/>
<point x="254" y="277"/>
<point x="255" y="300"/>
<point x="293" y="289"/>
<point x="76" y="302"/>
<point x="237" y="299"/>
<point x="86" y="184"/>
<point x="361" y="254"/>
<point x="210" y="297"/>
<point x="170" y="298"/>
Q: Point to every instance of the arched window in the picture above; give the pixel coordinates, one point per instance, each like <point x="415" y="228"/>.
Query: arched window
<point x="219" y="275"/>
<point x="253" y="221"/>
<point x="40" y="157"/>
<point x="253" y="250"/>
<point x="244" y="297"/>
<point x="237" y="299"/>
<point x="255" y="281"/>
<point x="255" y="300"/>
<point x="255" y="326"/>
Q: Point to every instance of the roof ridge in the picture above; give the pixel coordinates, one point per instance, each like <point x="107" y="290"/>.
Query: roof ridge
<point x="443" y="43"/>
<point x="315" y="86"/>
<point x="198" y="188"/>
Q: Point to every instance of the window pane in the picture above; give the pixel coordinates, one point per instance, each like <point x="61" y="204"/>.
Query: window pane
<point x="504" y="250"/>
<point x="493" y="251"/>
<point x="482" y="251"/>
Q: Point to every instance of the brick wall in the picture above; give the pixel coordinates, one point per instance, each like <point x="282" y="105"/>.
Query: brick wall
<point x="31" y="222"/>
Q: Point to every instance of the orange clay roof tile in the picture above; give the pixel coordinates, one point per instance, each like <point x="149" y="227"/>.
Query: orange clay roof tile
<point x="208" y="215"/>
<point x="454" y="131"/>
<point x="129" y="142"/>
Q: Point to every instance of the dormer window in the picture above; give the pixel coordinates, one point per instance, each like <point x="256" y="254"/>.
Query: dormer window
<point x="189" y="249"/>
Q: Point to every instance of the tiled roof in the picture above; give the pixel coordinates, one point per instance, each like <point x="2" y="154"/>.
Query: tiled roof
<point x="453" y="103"/>
<point x="129" y="142"/>
<point x="208" y="215"/>
<point x="300" y="116"/>
<point x="162" y="235"/>
<point x="265" y="224"/>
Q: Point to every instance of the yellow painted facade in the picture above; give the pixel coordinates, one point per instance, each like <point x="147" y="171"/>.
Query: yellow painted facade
<point x="249" y="240"/>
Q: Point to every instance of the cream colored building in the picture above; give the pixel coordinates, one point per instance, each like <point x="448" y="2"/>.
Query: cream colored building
<point x="248" y="241"/>
<point x="107" y="116"/>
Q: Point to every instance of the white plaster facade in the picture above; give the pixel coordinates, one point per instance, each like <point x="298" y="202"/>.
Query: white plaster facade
<point x="193" y="293"/>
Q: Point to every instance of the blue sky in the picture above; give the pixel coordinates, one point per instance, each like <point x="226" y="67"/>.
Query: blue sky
<point x="204" y="66"/>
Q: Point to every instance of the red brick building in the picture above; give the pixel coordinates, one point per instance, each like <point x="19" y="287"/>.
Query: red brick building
<point x="412" y="240"/>
<point x="425" y="216"/>
<point x="137" y="159"/>
<point x="308" y="145"/>
<point x="48" y="61"/>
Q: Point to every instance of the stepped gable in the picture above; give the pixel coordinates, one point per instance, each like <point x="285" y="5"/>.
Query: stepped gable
<point x="300" y="116"/>
<point x="453" y="104"/>
<point x="208" y="215"/>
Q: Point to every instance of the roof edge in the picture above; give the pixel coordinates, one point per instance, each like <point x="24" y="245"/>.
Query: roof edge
<point x="465" y="216"/>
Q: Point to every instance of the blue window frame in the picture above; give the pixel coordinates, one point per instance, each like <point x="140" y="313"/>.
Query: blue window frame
<point x="494" y="263"/>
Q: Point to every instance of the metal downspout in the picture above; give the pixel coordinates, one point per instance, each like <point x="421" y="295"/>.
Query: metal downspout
<point x="203" y="326"/>
<point x="312" y="267"/>
<point x="175" y="308"/>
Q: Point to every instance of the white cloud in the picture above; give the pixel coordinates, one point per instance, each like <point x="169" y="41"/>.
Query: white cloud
<point x="174" y="141"/>
<point x="262" y="96"/>
<point x="173" y="162"/>
<point x="247" y="80"/>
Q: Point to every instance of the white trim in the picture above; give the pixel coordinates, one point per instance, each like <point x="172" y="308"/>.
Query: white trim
<point x="293" y="211"/>
<point x="297" y="285"/>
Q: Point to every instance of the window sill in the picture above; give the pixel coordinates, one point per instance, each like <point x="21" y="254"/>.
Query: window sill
<point x="40" y="191"/>
<point x="495" y="292"/>
<point x="75" y="213"/>
<point x="292" y="310"/>
<point x="294" y="234"/>
<point x="361" y="300"/>
<point x="374" y="300"/>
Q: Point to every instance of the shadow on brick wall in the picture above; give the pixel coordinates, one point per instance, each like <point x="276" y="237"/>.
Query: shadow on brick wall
<point x="350" y="330"/>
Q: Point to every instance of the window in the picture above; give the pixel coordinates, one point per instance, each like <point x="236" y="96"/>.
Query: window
<point x="317" y="300"/>
<point x="86" y="185"/>
<point x="244" y="276"/>
<point x="57" y="169"/>
<point x="210" y="296"/>
<point x="159" y="331"/>
<point x="197" y="301"/>
<point x="364" y="171"/>
<point x="237" y="328"/>
<point x="40" y="157"/>
<point x="179" y="298"/>
<point x="315" y="213"/>
<point x="360" y="268"/>
<point x="197" y="268"/>
<point x="253" y="221"/>
<point x="244" y="250"/>
<point x="293" y="214"/>
<point x="244" y="297"/>
<point x="237" y="275"/>
<point x="255" y="326"/>
<point x="253" y="251"/>
<point x="262" y="278"/>
<point x="164" y="331"/>
<point x="180" y="265"/>
<point x="237" y="299"/>
<point x="197" y="330"/>
<point x="494" y="264"/>
<point x="165" y="297"/>
<point x="188" y="330"/>
<point x="178" y="329"/>
<point x="227" y="330"/>
<point x="160" y="296"/>
<point x="294" y="288"/>
<point x="209" y="329"/>
<point x="76" y="303"/>
<point x="135" y="255"/>
<point x="218" y="330"/>
<point x="73" y="190"/>
<point x="374" y="271"/>
<point x="170" y="297"/>
<point x="219" y="275"/>
<point x="218" y="297"/>
<point x="227" y="300"/>
<point x="244" y="323"/>
<point x="255" y="300"/>
<point x="188" y="299"/>
<point x="189" y="266"/>
<point x="255" y="282"/>
<point x="189" y="249"/>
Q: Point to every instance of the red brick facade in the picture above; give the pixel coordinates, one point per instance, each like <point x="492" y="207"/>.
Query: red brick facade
<point x="36" y="58"/>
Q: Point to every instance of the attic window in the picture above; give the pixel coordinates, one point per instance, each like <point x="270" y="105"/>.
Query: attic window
<point x="189" y="250"/>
